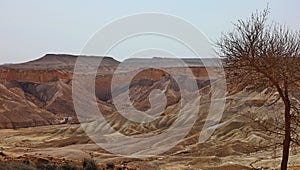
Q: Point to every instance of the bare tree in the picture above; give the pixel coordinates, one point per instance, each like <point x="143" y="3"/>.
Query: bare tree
<point x="264" y="56"/>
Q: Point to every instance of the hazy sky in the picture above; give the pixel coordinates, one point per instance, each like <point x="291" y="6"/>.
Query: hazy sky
<point x="29" y="29"/>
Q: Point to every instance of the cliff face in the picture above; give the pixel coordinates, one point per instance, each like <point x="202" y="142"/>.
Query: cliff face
<point x="50" y="68"/>
<point x="25" y="75"/>
<point x="39" y="92"/>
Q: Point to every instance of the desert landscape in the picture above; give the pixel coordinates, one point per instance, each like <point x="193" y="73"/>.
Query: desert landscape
<point x="152" y="85"/>
<point x="36" y="96"/>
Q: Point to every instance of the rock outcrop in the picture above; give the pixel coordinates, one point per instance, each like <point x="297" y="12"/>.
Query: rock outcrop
<point x="39" y="92"/>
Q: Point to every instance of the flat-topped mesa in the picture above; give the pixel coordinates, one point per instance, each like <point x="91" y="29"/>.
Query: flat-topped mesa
<point x="50" y="67"/>
<point x="54" y="67"/>
<point x="61" y="61"/>
<point x="174" y="62"/>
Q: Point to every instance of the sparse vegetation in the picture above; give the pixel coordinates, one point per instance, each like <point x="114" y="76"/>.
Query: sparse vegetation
<point x="15" y="166"/>
<point x="27" y="165"/>
<point x="68" y="166"/>
<point x="266" y="56"/>
<point x="89" y="164"/>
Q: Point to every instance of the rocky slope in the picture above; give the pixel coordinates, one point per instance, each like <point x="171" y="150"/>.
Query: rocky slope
<point x="39" y="93"/>
<point x="45" y="86"/>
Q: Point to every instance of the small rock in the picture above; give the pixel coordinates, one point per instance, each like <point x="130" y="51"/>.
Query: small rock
<point x="42" y="161"/>
<point x="2" y="154"/>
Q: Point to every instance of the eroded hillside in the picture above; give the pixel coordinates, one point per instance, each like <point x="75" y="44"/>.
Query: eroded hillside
<point x="39" y="93"/>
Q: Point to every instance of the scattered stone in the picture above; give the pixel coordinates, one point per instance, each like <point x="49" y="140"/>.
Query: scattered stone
<point x="42" y="161"/>
<point x="110" y="165"/>
<point x="2" y="154"/>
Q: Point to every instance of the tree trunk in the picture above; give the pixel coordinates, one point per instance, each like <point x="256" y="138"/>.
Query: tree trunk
<point x="287" y="135"/>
